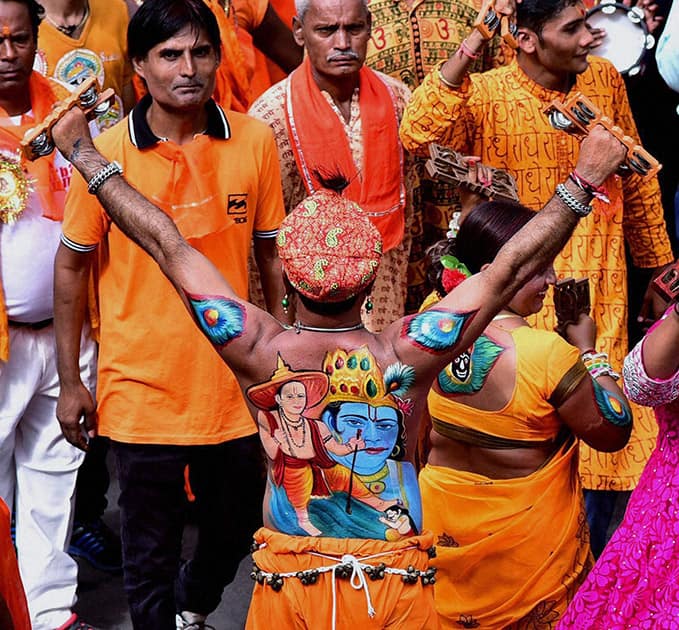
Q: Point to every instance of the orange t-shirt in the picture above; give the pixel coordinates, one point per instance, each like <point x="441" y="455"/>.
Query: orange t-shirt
<point x="100" y="51"/>
<point x="160" y="380"/>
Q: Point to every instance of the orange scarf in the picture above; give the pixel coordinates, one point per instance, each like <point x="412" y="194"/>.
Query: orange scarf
<point x="46" y="182"/>
<point x="319" y="141"/>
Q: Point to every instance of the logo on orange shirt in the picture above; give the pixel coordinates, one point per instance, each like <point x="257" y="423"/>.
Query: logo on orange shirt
<point x="237" y="207"/>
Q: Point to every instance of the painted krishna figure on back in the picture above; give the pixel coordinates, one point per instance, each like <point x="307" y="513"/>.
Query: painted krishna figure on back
<point x="333" y="401"/>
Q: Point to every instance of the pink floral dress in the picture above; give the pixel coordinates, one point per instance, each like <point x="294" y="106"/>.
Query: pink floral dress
<point x="635" y="583"/>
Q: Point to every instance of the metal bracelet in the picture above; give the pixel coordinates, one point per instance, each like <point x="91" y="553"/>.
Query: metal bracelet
<point x="579" y="208"/>
<point x="104" y="173"/>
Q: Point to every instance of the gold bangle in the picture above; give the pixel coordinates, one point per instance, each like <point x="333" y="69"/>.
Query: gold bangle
<point x="452" y="86"/>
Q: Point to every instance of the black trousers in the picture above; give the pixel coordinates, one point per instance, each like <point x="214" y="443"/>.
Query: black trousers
<point x="228" y="482"/>
<point x="92" y="483"/>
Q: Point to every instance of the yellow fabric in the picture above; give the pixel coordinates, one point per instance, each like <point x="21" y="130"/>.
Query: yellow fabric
<point x="498" y="116"/>
<point x="100" y="51"/>
<point x="510" y="553"/>
<point x="408" y="39"/>
<point x="542" y="359"/>
<point x="398" y="606"/>
<point x="152" y="391"/>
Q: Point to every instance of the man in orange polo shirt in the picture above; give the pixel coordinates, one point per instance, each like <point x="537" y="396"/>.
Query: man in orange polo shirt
<point x="165" y="405"/>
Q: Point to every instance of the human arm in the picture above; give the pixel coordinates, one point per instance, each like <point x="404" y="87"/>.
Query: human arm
<point x="438" y="110"/>
<point x="230" y="323"/>
<point x="651" y="369"/>
<point x="75" y="402"/>
<point x="465" y="312"/>
<point x="275" y="40"/>
<point x="596" y="410"/>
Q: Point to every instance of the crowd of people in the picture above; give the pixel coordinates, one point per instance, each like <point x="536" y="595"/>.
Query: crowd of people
<point x="254" y="293"/>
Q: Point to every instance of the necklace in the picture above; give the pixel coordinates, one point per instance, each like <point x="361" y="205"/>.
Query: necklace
<point x="505" y="316"/>
<point x="299" y="327"/>
<point x="70" y="29"/>
<point x="290" y="422"/>
<point x="288" y="435"/>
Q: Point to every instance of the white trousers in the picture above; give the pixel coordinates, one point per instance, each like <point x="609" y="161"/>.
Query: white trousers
<point x="38" y="468"/>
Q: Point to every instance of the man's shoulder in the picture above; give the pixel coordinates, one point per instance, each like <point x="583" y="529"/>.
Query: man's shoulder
<point x="110" y="10"/>
<point x="110" y="142"/>
<point x="270" y="102"/>
<point x="247" y="126"/>
<point x="399" y="88"/>
<point x="601" y="70"/>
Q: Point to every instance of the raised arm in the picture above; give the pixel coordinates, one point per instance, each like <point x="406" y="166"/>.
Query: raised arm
<point x="462" y="315"/>
<point x="217" y="310"/>
<point x="438" y="111"/>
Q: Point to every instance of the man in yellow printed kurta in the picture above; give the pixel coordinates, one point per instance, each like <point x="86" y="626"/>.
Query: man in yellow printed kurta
<point x="499" y="116"/>
<point x="407" y="40"/>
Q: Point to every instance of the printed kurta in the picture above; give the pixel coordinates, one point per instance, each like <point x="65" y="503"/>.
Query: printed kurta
<point x="499" y="116"/>
<point x="388" y="293"/>
<point x="407" y="41"/>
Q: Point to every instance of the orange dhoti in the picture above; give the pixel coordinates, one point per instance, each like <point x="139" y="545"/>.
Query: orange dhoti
<point x="342" y="603"/>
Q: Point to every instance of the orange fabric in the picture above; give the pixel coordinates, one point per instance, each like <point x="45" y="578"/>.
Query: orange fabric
<point x="509" y="551"/>
<point x="232" y="85"/>
<point x="11" y="588"/>
<point x="498" y="115"/>
<point x="319" y="142"/>
<point x="160" y="380"/>
<point x="543" y="359"/>
<point x="286" y="11"/>
<point x="397" y="605"/>
<point x="249" y="15"/>
<point x="46" y="182"/>
<point x="100" y="51"/>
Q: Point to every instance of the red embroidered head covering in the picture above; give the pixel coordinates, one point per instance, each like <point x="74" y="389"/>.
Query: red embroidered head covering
<point x="329" y="248"/>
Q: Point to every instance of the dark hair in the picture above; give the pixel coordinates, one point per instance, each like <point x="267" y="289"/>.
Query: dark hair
<point x="534" y="14"/>
<point x="36" y="13"/>
<point x="482" y="234"/>
<point x="158" y="20"/>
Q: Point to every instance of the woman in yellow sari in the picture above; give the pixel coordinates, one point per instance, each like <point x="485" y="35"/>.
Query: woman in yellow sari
<point x="500" y="488"/>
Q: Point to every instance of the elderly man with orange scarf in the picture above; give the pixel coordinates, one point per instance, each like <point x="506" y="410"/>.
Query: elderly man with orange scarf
<point x="38" y="466"/>
<point x="333" y="116"/>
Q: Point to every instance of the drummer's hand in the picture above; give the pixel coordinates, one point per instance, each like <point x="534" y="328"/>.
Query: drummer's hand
<point x="506" y="7"/>
<point x="650" y="8"/>
<point x="598" y="36"/>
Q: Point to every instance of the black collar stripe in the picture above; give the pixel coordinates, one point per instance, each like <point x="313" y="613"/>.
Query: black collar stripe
<point x="142" y="137"/>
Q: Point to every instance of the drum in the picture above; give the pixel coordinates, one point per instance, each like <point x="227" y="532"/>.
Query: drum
<point x="627" y="37"/>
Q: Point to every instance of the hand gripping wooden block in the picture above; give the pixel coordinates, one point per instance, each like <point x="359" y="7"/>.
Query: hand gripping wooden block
<point x="37" y="141"/>
<point x="450" y="166"/>
<point x="571" y="299"/>
<point x="577" y="115"/>
<point x="488" y="21"/>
